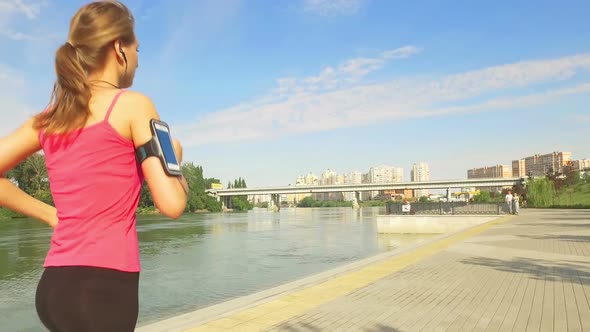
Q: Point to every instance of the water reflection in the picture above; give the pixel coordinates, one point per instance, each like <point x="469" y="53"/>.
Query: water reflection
<point x="202" y="259"/>
<point x="23" y="245"/>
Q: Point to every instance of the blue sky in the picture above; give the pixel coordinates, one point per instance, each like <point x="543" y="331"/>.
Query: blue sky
<point x="269" y="90"/>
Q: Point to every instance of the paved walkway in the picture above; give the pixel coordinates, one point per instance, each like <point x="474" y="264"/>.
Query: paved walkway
<point x="528" y="272"/>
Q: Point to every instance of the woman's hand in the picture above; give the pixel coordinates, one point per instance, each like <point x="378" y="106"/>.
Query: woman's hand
<point x="52" y="219"/>
<point x="13" y="198"/>
<point x="178" y="152"/>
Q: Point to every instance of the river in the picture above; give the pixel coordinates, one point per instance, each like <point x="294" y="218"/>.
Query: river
<point x="205" y="258"/>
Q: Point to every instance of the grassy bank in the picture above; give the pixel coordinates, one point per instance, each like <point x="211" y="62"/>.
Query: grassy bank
<point x="7" y="214"/>
<point x="143" y="211"/>
<point x="576" y="196"/>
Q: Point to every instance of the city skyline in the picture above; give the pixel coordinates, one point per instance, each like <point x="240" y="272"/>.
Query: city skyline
<point x="269" y="91"/>
<point x="582" y="162"/>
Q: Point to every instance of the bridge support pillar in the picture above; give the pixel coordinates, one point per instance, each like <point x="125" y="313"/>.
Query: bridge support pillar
<point x="356" y="199"/>
<point x="448" y="194"/>
<point x="275" y="203"/>
<point x="226" y="203"/>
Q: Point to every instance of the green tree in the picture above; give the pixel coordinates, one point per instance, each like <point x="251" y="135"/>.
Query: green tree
<point x="210" y="181"/>
<point x="196" y="185"/>
<point x="146" y="200"/>
<point x="240" y="203"/>
<point x="573" y="178"/>
<point x="540" y="192"/>
<point x="306" y="202"/>
<point x="482" y="197"/>
<point x="31" y="177"/>
<point x="211" y="204"/>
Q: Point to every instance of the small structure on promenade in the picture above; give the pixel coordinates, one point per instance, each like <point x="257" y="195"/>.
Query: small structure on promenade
<point x="435" y="217"/>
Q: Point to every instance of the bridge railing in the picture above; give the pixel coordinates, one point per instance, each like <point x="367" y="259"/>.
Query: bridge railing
<point x="446" y="208"/>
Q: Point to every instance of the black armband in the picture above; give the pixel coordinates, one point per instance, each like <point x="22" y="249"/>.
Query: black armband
<point x="149" y="149"/>
<point x="160" y="146"/>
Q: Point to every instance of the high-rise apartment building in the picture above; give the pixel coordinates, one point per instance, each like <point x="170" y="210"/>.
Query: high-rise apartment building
<point x="398" y="174"/>
<point x="384" y="174"/>
<point x="497" y="171"/>
<point x="518" y="168"/>
<point x="380" y="174"/>
<point x="352" y="178"/>
<point x="366" y="195"/>
<point x="329" y="177"/>
<point x="581" y="165"/>
<point x="541" y="164"/>
<point x="311" y="179"/>
<point x="308" y="180"/>
<point x="300" y="181"/>
<point x="420" y="172"/>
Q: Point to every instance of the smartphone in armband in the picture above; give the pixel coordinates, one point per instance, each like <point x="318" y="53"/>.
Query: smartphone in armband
<point x="160" y="146"/>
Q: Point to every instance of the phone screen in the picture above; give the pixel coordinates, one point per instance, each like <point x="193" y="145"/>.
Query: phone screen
<point x="167" y="148"/>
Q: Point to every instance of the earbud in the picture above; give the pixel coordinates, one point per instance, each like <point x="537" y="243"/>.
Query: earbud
<point x="123" y="54"/>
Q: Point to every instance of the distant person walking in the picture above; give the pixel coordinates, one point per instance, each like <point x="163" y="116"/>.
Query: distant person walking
<point x="515" y="204"/>
<point x="508" y="200"/>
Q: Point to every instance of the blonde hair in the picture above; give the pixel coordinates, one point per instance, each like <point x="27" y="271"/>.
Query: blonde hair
<point x="92" y="30"/>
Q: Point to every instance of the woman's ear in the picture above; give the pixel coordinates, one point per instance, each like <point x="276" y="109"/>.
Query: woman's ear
<point x="118" y="48"/>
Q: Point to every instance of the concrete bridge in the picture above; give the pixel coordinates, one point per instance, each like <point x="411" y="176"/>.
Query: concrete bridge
<point x="225" y="194"/>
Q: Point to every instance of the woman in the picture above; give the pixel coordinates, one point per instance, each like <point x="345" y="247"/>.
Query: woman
<point x="89" y="134"/>
<point x="515" y="204"/>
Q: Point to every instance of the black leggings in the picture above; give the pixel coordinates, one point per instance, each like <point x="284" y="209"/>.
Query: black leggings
<point x="81" y="298"/>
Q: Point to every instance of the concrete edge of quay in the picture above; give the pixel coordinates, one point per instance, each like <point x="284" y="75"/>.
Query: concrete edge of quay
<point x="204" y="315"/>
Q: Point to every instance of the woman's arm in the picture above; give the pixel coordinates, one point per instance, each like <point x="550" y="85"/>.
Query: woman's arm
<point x="15" y="148"/>
<point x="169" y="194"/>
<point x="13" y="198"/>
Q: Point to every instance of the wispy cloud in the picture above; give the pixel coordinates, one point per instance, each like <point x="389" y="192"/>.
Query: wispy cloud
<point x="327" y="101"/>
<point x="347" y="73"/>
<point x="332" y="7"/>
<point x="15" y="35"/>
<point x="31" y="9"/>
<point x="13" y="11"/>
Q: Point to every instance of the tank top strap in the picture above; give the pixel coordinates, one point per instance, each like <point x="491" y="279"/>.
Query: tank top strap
<point x="106" y="117"/>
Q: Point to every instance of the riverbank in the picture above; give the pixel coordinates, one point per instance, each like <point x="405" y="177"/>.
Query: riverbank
<point x="573" y="197"/>
<point x="8" y="214"/>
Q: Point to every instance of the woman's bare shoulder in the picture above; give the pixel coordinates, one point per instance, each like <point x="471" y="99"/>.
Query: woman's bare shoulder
<point x="139" y="105"/>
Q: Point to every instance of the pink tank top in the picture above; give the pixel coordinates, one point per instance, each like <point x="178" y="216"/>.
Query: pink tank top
<point x="96" y="184"/>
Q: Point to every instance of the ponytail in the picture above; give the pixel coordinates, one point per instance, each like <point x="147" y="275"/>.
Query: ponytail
<point x="92" y="29"/>
<point x="71" y="94"/>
